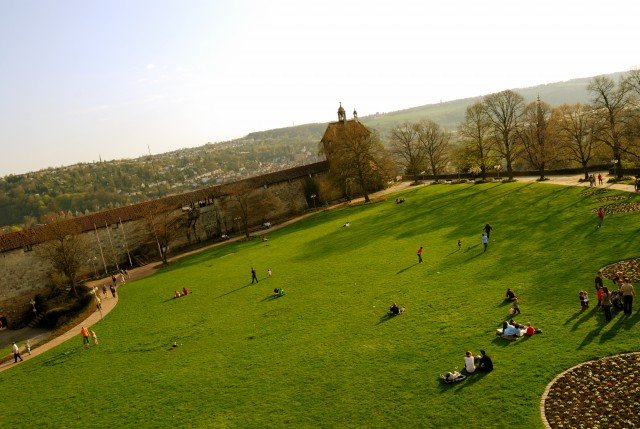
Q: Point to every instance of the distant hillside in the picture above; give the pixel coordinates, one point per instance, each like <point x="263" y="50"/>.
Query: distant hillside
<point x="448" y="114"/>
<point x="25" y="199"/>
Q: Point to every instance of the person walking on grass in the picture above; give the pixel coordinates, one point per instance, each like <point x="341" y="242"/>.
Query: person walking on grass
<point x="16" y="353"/>
<point x="459" y="245"/>
<point x="600" y="216"/>
<point x="485" y="242"/>
<point x="487" y="230"/>
<point x="94" y="336"/>
<point x="419" y="253"/>
<point x="85" y="337"/>
<point x="254" y="277"/>
<point x="628" y="293"/>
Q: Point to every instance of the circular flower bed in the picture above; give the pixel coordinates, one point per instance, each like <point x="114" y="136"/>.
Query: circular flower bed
<point x="589" y="192"/>
<point x="611" y="198"/>
<point x="604" y="393"/>
<point x="620" y="207"/>
<point x="630" y="268"/>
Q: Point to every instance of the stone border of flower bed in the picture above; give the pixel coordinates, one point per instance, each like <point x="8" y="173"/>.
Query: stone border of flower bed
<point x="545" y="395"/>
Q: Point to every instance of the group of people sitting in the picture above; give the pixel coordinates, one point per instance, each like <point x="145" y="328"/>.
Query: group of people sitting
<point x="480" y="363"/>
<point x="399" y="200"/>
<point x="278" y="292"/>
<point x="178" y="294"/>
<point x="394" y="310"/>
<point x="512" y="330"/>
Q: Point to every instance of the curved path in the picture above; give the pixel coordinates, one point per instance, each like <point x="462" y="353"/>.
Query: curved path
<point x="146" y="270"/>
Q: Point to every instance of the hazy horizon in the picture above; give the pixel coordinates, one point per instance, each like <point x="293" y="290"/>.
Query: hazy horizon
<point x="109" y="79"/>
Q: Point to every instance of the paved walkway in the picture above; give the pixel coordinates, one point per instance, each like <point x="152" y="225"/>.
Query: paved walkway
<point x="146" y="270"/>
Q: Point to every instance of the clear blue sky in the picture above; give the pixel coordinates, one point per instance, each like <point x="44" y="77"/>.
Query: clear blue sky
<point x="79" y="79"/>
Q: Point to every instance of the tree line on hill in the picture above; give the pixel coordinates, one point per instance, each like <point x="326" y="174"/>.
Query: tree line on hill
<point x="502" y="131"/>
<point x="536" y="136"/>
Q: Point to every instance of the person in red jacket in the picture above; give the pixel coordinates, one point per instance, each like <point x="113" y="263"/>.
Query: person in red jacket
<point x="600" y="216"/>
<point x="419" y="253"/>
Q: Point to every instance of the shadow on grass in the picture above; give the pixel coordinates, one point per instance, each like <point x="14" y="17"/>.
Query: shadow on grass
<point x="407" y="268"/>
<point x="471" y="247"/>
<point x="232" y="291"/>
<point x="503" y="303"/>
<point x="268" y="298"/>
<point x="624" y="321"/>
<point x="591" y="336"/>
<point x="385" y="318"/>
<point x="580" y="321"/>
<point x="502" y="342"/>
<point x="471" y="380"/>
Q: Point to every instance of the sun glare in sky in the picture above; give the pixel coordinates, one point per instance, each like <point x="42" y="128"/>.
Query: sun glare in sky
<point x="82" y="79"/>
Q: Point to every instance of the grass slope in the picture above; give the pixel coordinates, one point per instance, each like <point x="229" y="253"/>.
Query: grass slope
<point x="325" y="354"/>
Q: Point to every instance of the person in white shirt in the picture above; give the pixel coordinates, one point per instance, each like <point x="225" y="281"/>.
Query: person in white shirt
<point x="16" y="353"/>
<point x="469" y="365"/>
<point x="485" y="241"/>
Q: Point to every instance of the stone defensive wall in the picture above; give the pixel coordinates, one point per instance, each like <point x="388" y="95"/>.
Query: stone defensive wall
<point x="120" y="236"/>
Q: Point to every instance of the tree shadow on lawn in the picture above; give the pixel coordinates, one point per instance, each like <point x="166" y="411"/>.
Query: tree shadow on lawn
<point x="407" y="268"/>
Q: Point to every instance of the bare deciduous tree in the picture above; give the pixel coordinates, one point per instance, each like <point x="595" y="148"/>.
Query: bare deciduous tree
<point x="611" y="106"/>
<point x="504" y="110"/>
<point x="435" y="143"/>
<point x="164" y="225"/>
<point x="406" y="148"/>
<point x="538" y="135"/>
<point x="576" y="132"/>
<point x="65" y="249"/>
<point x="360" y="156"/>
<point x="475" y="136"/>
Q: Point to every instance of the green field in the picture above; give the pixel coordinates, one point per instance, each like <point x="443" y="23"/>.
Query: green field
<point x="325" y="355"/>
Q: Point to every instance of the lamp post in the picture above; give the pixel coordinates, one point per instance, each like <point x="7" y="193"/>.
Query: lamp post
<point x="313" y="197"/>
<point x="33" y="304"/>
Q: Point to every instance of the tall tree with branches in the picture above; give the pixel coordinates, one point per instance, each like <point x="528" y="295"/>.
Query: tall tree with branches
<point x="611" y="104"/>
<point x="361" y="157"/>
<point x="435" y="143"/>
<point x="474" y="133"/>
<point x="538" y="135"/>
<point x="577" y="130"/>
<point x="65" y="249"/>
<point x="406" y="149"/>
<point x="505" y="110"/>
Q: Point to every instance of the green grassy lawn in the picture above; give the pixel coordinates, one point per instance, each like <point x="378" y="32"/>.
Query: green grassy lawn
<point x="325" y="354"/>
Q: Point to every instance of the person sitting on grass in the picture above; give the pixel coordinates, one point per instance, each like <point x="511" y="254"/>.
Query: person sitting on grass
<point x="469" y="363"/>
<point x="185" y="291"/>
<point x="394" y="310"/>
<point x="278" y="292"/>
<point x="510" y="295"/>
<point x="485" y="364"/>
<point x="509" y="331"/>
<point x="176" y="294"/>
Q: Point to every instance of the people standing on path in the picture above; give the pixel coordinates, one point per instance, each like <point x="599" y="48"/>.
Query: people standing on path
<point x="16" y="353"/>
<point x="113" y="279"/>
<point x="85" y="337"/>
<point x="94" y="336"/>
<point x="485" y="242"/>
<point x="487" y="230"/>
<point x="419" y="253"/>
<point x="600" y="216"/>
<point x="628" y="293"/>
<point x="104" y="291"/>
<point x="113" y="290"/>
<point x="27" y="347"/>
<point x="599" y="179"/>
<point x="254" y="277"/>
